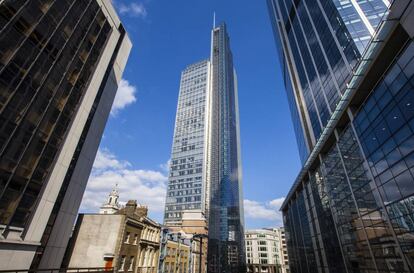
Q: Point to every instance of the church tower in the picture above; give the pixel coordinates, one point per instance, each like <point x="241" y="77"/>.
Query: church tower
<point x="112" y="205"/>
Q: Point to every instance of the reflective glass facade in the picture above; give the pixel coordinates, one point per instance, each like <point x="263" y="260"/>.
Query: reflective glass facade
<point x="60" y="64"/>
<point x="319" y="46"/>
<point x="186" y="183"/>
<point x="205" y="164"/>
<point x="297" y="115"/>
<point x="226" y="252"/>
<point x="364" y="188"/>
<point x="361" y="18"/>
<point x="48" y="53"/>
<point x="351" y="208"/>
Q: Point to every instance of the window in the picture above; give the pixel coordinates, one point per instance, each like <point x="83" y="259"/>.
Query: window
<point x="19" y="199"/>
<point x="131" y="263"/>
<point x="127" y="237"/>
<point x="135" y="239"/>
<point x="122" y="263"/>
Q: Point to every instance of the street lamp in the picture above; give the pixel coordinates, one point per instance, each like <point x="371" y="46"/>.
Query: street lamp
<point x="178" y="255"/>
<point x="201" y="236"/>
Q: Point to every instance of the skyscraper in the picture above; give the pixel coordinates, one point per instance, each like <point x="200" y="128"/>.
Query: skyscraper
<point x="60" y="62"/>
<point x="226" y="220"/>
<point x="186" y="183"/>
<point x="205" y="171"/>
<point x="348" y="72"/>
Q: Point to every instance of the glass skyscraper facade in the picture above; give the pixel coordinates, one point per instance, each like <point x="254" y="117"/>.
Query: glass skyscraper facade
<point x="348" y="69"/>
<point x="205" y="169"/>
<point x="60" y="62"/>
<point x="226" y="252"/>
<point x="187" y="178"/>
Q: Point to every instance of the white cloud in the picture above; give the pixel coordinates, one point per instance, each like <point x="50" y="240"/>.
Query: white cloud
<point x="148" y="187"/>
<point x="165" y="167"/>
<point x="277" y="203"/>
<point x="264" y="210"/>
<point x="124" y="96"/>
<point x="106" y="160"/>
<point x="132" y="9"/>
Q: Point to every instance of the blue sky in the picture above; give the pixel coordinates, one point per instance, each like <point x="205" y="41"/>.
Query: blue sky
<point x="167" y="36"/>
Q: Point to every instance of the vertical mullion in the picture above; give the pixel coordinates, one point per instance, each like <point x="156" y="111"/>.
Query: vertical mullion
<point x="23" y="115"/>
<point x="14" y="17"/>
<point x="34" y="61"/>
<point x="37" y="125"/>
<point x="46" y="144"/>
<point x="22" y="42"/>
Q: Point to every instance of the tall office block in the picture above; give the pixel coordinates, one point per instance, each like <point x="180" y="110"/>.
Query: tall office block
<point x="348" y="69"/>
<point x="186" y="182"/>
<point x="205" y="171"/>
<point x="60" y="62"/>
<point x="226" y="223"/>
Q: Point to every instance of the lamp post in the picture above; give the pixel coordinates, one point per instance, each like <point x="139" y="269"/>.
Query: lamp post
<point x="201" y="236"/>
<point x="178" y="255"/>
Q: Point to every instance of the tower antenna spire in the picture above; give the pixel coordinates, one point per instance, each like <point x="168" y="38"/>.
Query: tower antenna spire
<point x="214" y="20"/>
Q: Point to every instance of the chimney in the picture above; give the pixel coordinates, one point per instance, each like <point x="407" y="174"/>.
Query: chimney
<point x="130" y="207"/>
<point x="141" y="211"/>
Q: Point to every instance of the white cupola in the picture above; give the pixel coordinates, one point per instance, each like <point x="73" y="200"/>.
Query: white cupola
<point x="111" y="206"/>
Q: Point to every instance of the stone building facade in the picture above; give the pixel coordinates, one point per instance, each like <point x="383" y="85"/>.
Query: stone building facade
<point x="128" y="241"/>
<point x="193" y="227"/>
<point x="284" y="258"/>
<point x="262" y="251"/>
<point x="175" y="254"/>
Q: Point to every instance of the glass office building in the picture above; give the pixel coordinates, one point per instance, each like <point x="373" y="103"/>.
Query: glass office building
<point x="348" y="68"/>
<point x="60" y="62"/>
<point x="226" y="252"/>
<point x="205" y="169"/>
<point x="187" y="178"/>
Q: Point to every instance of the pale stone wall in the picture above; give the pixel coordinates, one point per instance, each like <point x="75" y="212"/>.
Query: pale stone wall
<point x="98" y="235"/>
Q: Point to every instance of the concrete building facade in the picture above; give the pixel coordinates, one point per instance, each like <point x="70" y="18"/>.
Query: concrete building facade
<point x="263" y="251"/>
<point x="127" y="241"/>
<point x="60" y="64"/>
